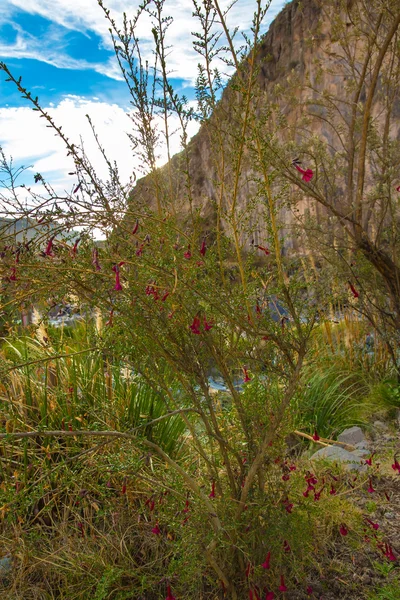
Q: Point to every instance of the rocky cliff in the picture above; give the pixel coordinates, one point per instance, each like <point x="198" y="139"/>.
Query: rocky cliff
<point x="302" y="85"/>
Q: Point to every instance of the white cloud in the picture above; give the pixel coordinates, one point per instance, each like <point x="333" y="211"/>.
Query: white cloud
<point x="86" y="16"/>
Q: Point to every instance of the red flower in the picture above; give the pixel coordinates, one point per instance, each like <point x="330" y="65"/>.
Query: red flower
<point x="368" y="461"/>
<point x="212" y="493"/>
<point x="266" y="564"/>
<point x="123" y="489"/>
<point x="398" y="188"/>
<point x="387" y="496"/>
<point x="186" y="509"/>
<point x="75" y="247"/>
<point x="135" y="227"/>
<point x="309" y="590"/>
<point x="373" y="525"/>
<point x="169" y="594"/>
<point x="139" y="251"/>
<point x="263" y="249"/>
<point x="269" y="595"/>
<point x="95" y="259"/>
<point x="246" y="375"/>
<point x="49" y="247"/>
<point x="156" y="530"/>
<point x="316" y="436"/>
<point x="396" y="465"/>
<point x="13" y="276"/>
<point x="188" y="253"/>
<point x="286" y="546"/>
<point x="195" y="326"/>
<point x="118" y="287"/>
<point x="282" y="587"/>
<point x="207" y="325"/>
<point x="370" y="488"/>
<point x="353" y="290"/>
<point x="307" y="174"/>
<point x="317" y="495"/>
<point x="285" y="477"/>
<point x="80" y="525"/>
<point x="203" y="248"/>
<point x="164" y="297"/>
<point x="389" y="552"/>
<point x="332" y="490"/>
<point x="288" y="506"/>
<point x="343" y="529"/>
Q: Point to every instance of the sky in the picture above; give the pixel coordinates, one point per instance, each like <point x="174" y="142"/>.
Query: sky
<point x="63" y="51"/>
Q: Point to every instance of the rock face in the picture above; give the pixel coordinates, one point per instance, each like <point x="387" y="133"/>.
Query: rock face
<point x="297" y="63"/>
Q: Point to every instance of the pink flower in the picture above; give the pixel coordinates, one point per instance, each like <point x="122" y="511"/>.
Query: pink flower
<point x="307" y="174"/>
<point x="164" y="297"/>
<point x="212" y="493"/>
<point x="246" y="375"/>
<point x="203" y="248"/>
<point x="332" y="490"/>
<point x="156" y="530"/>
<point x="368" y="461"/>
<point x="317" y="495"/>
<point x="95" y="259"/>
<point x="13" y="276"/>
<point x="343" y="529"/>
<point x="396" y="465"/>
<point x="282" y="587"/>
<point x="188" y="253"/>
<point x="169" y="594"/>
<point x="263" y="249"/>
<point x="309" y="590"/>
<point x="286" y="546"/>
<point x="398" y="188"/>
<point x="269" y="595"/>
<point x="186" y="509"/>
<point x="266" y="564"/>
<point x="285" y="477"/>
<point x="370" y="488"/>
<point x="195" y="326"/>
<point x="49" y="247"/>
<point x="353" y="290"/>
<point x="135" y="227"/>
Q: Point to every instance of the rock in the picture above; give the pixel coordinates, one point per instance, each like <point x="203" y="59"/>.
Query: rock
<point x="361" y="452"/>
<point x="352" y="436"/>
<point x="362" y="445"/>
<point x="380" y="425"/>
<point x="349" y="460"/>
<point x="389" y="515"/>
<point x="5" y="566"/>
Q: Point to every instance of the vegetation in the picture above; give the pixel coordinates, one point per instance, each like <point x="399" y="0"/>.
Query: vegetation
<point x="124" y="474"/>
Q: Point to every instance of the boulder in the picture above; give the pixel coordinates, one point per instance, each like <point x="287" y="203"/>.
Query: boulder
<point x="351" y="436"/>
<point x="348" y="460"/>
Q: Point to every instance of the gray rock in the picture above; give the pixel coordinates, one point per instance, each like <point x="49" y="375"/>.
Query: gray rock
<point x="349" y="461"/>
<point x="352" y="436"/>
<point x="361" y="452"/>
<point x="380" y="425"/>
<point x="389" y="515"/>
<point x="5" y="566"/>
<point x="362" y="445"/>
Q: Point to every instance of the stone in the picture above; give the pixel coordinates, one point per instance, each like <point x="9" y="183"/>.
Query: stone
<point x="347" y="459"/>
<point x="352" y="436"/>
<point x="380" y="425"/>
<point x="361" y="452"/>
<point x="362" y="445"/>
<point x="5" y="567"/>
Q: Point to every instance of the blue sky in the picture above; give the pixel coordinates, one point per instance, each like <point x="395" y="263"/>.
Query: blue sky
<point x="62" y="50"/>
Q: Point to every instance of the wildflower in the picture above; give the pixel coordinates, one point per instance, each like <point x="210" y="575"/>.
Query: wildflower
<point x="353" y="290"/>
<point x="118" y="287"/>
<point x="292" y="467"/>
<point x="164" y="297"/>
<point x="188" y="253"/>
<point x="332" y="490"/>
<point x="75" y="247"/>
<point x="398" y="188"/>
<point x="396" y="465"/>
<point x="186" y="509"/>
<point x="285" y="477"/>
<point x="373" y="525"/>
<point x="249" y="570"/>
<point x="80" y="525"/>
<point x="212" y="493"/>
<point x="389" y="552"/>
<point x="266" y="562"/>
<point x="207" y="325"/>
<point x="370" y="488"/>
<point x="246" y="375"/>
<point x="317" y="495"/>
<point x="139" y="251"/>
<point x="288" y="505"/>
<point x="95" y="259"/>
<point x="286" y="547"/>
<point x="203" y="247"/>
<point x="309" y="590"/>
<point x="316" y="437"/>
<point x="135" y="227"/>
<point x="282" y="587"/>
<point x="195" y="326"/>
<point x="169" y="594"/>
<point x="13" y="276"/>
<point x="307" y="174"/>
<point x="49" y="247"/>
<point x="263" y="249"/>
<point x="251" y="597"/>
<point x="123" y="489"/>
<point x="269" y="595"/>
<point x="368" y="461"/>
<point x="343" y="529"/>
<point x="156" y="530"/>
